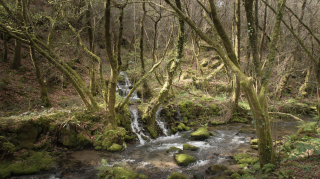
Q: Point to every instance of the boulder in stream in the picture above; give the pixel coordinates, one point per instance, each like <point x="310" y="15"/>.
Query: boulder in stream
<point x="114" y="148"/>
<point x="190" y="147"/>
<point x="173" y="149"/>
<point x="215" y="169"/>
<point x="183" y="159"/>
<point x="176" y="175"/>
<point x="201" y="134"/>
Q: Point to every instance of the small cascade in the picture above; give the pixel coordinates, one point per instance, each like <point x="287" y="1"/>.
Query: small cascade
<point x="135" y="126"/>
<point x="124" y="89"/>
<point x="160" y="123"/>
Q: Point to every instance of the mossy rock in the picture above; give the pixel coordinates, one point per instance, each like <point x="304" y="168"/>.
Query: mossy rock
<point x="215" y="123"/>
<point x="35" y="163"/>
<point x="243" y="165"/>
<point x="173" y="149"/>
<point x="142" y="176"/>
<point x="254" y="142"/>
<point x="249" y="160"/>
<point x="201" y="134"/>
<point x="190" y="147"/>
<point x="229" y="172"/>
<point x="174" y="129"/>
<point x="114" y="148"/>
<point x="239" y="119"/>
<point x="181" y="127"/>
<point x="235" y="176"/>
<point x="220" y="177"/>
<point x="183" y="159"/>
<point x="256" y="147"/>
<point x="97" y="148"/>
<point x="211" y="133"/>
<point x="119" y="173"/>
<point x="176" y="175"/>
<point x="238" y="157"/>
<point x="215" y="169"/>
<point x="191" y="124"/>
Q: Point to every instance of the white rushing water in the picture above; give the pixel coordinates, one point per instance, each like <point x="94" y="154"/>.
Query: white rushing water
<point x="160" y="123"/>
<point x="135" y="125"/>
<point x="124" y="90"/>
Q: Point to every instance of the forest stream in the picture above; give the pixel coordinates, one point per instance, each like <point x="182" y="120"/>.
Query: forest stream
<point x="150" y="157"/>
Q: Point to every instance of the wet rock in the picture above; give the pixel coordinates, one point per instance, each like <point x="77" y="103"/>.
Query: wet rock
<point x="201" y="134"/>
<point x="190" y="147"/>
<point x="114" y="148"/>
<point x="229" y="172"/>
<point x="215" y="169"/>
<point x="254" y="142"/>
<point x="176" y="175"/>
<point x="119" y="172"/>
<point x="198" y="176"/>
<point x="235" y="176"/>
<point x="183" y="159"/>
<point x="173" y="149"/>
<point x="211" y="133"/>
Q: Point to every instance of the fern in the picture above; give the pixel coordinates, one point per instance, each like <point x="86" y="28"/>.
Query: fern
<point x="268" y="168"/>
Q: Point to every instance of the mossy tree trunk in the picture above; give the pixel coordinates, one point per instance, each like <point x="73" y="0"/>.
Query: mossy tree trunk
<point x="43" y="88"/>
<point x="146" y="90"/>
<point x="92" y="84"/>
<point x="16" y="63"/>
<point x="256" y="101"/>
<point x="149" y="114"/>
<point x="237" y="32"/>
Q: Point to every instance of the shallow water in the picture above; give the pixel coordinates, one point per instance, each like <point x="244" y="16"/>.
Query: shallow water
<point x="151" y="159"/>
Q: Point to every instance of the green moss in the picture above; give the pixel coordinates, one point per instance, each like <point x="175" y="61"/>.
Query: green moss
<point x="191" y="124"/>
<point x="127" y="137"/>
<point x="153" y="132"/>
<point x="97" y="143"/>
<point x="229" y="172"/>
<point x="118" y="173"/>
<point x="115" y="148"/>
<point x="249" y="160"/>
<point x="238" y="157"/>
<point x="211" y="133"/>
<point x="201" y="134"/>
<point x="174" y="130"/>
<point x="173" y="149"/>
<point x="190" y="147"/>
<point x="256" y="147"/>
<point x="215" y="169"/>
<point x="215" y="123"/>
<point x="239" y="119"/>
<point x="187" y="129"/>
<point x="243" y="165"/>
<point x="235" y="176"/>
<point x="97" y="148"/>
<point x="256" y="166"/>
<point x="181" y="127"/>
<point x="35" y="163"/>
<point x="176" y="175"/>
<point x="254" y="142"/>
<point x="183" y="159"/>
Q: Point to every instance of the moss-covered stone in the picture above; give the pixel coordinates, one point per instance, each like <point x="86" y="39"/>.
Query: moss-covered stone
<point x="97" y="148"/>
<point x="243" y="165"/>
<point x="235" y="176"/>
<point x="249" y="160"/>
<point x="201" y="134"/>
<point x="190" y="147"/>
<point x="191" y="124"/>
<point x="142" y="176"/>
<point x="215" y="123"/>
<point x="215" y="169"/>
<point x="229" y="172"/>
<point x="176" y="175"/>
<point x="254" y="142"/>
<point x="239" y="119"/>
<point x="181" y="127"/>
<point x="35" y="163"/>
<point x="254" y="147"/>
<point x="119" y="173"/>
<point x="211" y="133"/>
<point x="153" y="132"/>
<point x="173" y="149"/>
<point x="114" y="148"/>
<point x="238" y="157"/>
<point x="183" y="159"/>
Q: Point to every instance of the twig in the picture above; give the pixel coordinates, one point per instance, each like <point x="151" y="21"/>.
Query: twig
<point x="294" y="117"/>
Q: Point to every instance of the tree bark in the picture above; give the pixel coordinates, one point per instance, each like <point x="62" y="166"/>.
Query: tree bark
<point x="43" y="88"/>
<point x="5" y="45"/>
<point x="16" y="63"/>
<point x="149" y="114"/>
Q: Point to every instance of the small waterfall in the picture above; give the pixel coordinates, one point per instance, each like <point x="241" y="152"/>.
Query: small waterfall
<point x="160" y="123"/>
<point x="124" y="90"/>
<point x="135" y="126"/>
